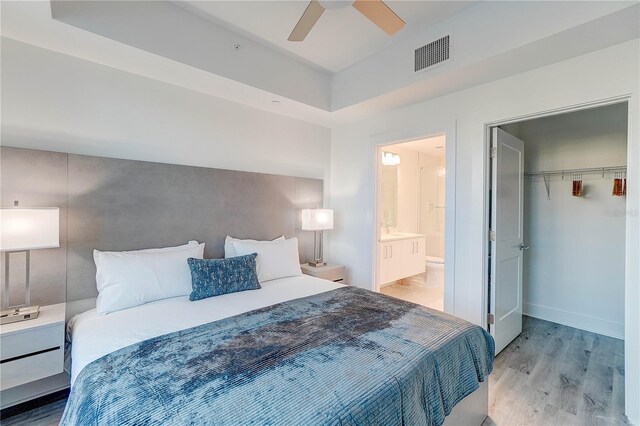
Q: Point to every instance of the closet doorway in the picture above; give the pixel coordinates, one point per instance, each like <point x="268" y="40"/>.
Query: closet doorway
<point x="557" y="197"/>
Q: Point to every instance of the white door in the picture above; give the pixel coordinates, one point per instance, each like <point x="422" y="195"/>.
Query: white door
<point x="505" y="284"/>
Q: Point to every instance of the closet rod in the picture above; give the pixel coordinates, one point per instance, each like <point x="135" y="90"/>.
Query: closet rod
<point x="586" y="170"/>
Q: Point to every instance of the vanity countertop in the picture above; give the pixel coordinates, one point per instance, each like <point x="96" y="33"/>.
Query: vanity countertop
<point x="395" y="236"/>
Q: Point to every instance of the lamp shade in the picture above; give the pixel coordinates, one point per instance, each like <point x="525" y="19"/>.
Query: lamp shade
<point x="27" y="229"/>
<point x="317" y="219"/>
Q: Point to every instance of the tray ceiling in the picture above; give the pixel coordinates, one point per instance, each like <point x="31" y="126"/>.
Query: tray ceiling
<point x="341" y="37"/>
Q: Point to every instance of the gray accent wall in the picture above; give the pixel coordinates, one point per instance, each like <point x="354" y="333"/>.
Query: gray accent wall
<point x="114" y="204"/>
<point x="36" y="179"/>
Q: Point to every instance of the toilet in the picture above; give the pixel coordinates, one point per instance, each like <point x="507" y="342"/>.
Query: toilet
<point x="434" y="271"/>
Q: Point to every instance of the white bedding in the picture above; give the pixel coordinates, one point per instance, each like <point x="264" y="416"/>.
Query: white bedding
<point x="93" y="335"/>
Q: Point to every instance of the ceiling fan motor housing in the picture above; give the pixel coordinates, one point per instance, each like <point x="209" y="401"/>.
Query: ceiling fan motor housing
<point x="335" y="4"/>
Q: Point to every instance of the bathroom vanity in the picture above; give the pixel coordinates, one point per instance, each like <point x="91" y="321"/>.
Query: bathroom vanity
<point x="400" y="255"/>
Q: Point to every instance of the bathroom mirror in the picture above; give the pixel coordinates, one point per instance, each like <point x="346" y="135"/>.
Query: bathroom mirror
<point x="388" y="196"/>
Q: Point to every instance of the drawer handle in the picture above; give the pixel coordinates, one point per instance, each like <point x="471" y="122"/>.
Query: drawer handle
<point x="15" y="358"/>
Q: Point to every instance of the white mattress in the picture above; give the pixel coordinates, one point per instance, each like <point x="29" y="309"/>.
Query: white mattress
<point x="93" y="335"/>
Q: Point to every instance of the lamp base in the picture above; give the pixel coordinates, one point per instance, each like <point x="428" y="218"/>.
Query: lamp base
<point x="317" y="264"/>
<point x="19" y="314"/>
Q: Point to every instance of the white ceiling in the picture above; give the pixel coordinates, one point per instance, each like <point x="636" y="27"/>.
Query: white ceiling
<point x="31" y="22"/>
<point x="568" y="32"/>
<point x="341" y="37"/>
<point x="433" y="146"/>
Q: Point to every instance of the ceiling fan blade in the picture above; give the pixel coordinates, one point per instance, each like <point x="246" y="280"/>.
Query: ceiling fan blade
<point x="308" y="19"/>
<point x="380" y="14"/>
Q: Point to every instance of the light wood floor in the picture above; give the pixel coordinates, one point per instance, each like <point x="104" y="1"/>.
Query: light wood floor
<point x="47" y="415"/>
<point x="557" y="375"/>
<point x="549" y="375"/>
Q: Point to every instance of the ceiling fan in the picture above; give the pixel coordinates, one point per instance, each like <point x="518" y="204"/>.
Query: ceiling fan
<point x="375" y="10"/>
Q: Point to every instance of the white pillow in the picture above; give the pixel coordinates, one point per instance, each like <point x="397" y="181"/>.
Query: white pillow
<point x="230" y="251"/>
<point x="130" y="278"/>
<point x="276" y="259"/>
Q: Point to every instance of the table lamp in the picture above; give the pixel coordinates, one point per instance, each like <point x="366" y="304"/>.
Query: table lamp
<point x="23" y="230"/>
<point x="317" y="220"/>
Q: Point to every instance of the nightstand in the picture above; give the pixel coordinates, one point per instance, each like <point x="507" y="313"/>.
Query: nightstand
<point x="335" y="273"/>
<point x="34" y="349"/>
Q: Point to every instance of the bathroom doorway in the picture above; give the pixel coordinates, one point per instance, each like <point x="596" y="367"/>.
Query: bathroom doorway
<point x="411" y="212"/>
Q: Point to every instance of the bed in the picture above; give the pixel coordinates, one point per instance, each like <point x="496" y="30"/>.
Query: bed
<point x="300" y="350"/>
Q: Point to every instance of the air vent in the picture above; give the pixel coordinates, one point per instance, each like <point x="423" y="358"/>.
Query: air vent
<point x="432" y="53"/>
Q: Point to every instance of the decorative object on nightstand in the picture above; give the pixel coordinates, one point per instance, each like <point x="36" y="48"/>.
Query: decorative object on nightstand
<point x="335" y="273"/>
<point x="32" y="350"/>
<point x="23" y="230"/>
<point x="317" y="220"/>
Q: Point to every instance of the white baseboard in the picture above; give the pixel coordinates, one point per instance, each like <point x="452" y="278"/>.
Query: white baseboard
<point x="574" y="319"/>
<point x="390" y="283"/>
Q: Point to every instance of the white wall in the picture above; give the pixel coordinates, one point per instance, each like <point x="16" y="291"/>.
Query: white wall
<point x="56" y="102"/>
<point x="576" y="81"/>
<point x="574" y="270"/>
<point x="171" y="31"/>
<point x="432" y="201"/>
<point x="408" y="189"/>
<point x="480" y="50"/>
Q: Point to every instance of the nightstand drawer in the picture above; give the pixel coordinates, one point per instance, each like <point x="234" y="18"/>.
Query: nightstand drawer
<point x="30" y="368"/>
<point x="335" y="274"/>
<point x="27" y="341"/>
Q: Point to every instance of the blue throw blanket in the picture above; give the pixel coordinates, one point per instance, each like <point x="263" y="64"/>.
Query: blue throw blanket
<point x="344" y="357"/>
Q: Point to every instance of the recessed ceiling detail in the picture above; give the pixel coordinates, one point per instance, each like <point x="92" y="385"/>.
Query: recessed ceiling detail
<point x="183" y="46"/>
<point x="162" y="28"/>
<point x="339" y="39"/>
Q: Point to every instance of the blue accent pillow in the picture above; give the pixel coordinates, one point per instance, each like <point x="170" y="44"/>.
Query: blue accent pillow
<point x="214" y="277"/>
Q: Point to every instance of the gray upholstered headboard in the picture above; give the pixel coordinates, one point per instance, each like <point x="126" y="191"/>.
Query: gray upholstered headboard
<point x="113" y="204"/>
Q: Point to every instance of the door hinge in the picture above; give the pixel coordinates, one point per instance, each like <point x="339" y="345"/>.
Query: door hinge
<point x="492" y="235"/>
<point x="494" y="152"/>
<point x="491" y="319"/>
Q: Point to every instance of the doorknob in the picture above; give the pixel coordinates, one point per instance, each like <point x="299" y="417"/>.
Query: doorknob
<point x="523" y="247"/>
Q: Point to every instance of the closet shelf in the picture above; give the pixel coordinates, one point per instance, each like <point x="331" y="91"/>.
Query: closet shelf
<point x="602" y="170"/>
